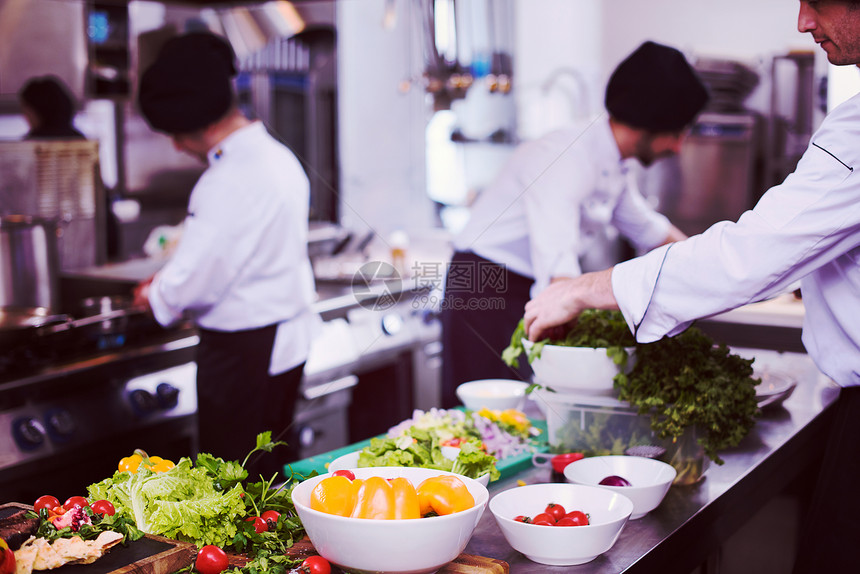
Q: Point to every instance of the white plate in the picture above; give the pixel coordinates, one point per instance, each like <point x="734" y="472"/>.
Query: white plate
<point x="350" y="461"/>
<point x="774" y="387"/>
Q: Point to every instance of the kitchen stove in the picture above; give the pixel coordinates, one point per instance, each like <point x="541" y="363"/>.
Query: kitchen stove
<point x="73" y="402"/>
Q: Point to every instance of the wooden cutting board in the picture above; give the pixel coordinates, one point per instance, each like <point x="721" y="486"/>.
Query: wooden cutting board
<point x="158" y="555"/>
<point x="148" y="555"/>
<point x="463" y="564"/>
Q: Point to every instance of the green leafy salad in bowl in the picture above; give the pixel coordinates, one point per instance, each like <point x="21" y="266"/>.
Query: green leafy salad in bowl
<point x="479" y="440"/>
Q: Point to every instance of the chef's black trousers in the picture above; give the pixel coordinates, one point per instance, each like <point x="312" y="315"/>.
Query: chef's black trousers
<point x="482" y="305"/>
<point x="238" y="399"/>
<point x="830" y="533"/>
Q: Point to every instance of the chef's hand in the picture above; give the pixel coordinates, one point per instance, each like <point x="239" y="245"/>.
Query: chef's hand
<point x="141" y="294"/>
<point x="563" y="301"/>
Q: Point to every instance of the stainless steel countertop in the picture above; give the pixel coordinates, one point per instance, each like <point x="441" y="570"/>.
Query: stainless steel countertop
<point x="693" y="521"/>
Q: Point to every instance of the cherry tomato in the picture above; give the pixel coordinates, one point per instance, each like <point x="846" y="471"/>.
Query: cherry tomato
<point x="543" y="519"/>
<point x="271" y="516"/>
<point x="103" y="507"/>
<point x="565" y="521"/>
<point x="45" y="501"/>
<point x="74" y="501"/>
<point x="557" y="511"/>
<point x="316" y="565"/>
<point x="259" y="524"/>
<point x="347" y="473"/>
<point x="522" y="518"/>
<point x="580" y="518"/>
<point x="211" y="560"/>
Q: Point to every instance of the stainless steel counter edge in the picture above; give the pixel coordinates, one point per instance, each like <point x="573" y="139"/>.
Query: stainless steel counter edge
<point x="694" y="521"/>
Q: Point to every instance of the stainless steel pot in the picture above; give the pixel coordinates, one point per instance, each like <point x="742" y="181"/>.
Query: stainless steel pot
<point x="29" y="262"/>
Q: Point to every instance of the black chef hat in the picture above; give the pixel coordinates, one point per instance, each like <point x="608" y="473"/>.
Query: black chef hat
<point x="50" y="99"/>
<point x="188" y="87"/>
<point x="655" y="89"/>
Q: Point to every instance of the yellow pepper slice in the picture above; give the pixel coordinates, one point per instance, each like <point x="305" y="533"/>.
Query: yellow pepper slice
<point x="444" y="494"/>
<point x="374" y="500"/>
<point x="130" y="463"/>
<point x="405" y="499"/>
<point x="335" y="495"/>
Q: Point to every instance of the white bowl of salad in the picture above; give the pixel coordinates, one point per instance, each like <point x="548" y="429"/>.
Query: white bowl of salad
<point x="350" y="461"/>
<point x="492" y="394"/>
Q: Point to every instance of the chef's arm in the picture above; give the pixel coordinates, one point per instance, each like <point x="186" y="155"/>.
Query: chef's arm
<point x="564" y="300"/>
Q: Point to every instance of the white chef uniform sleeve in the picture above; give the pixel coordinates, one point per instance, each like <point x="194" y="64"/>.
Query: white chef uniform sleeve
<point x="796" y="227"/>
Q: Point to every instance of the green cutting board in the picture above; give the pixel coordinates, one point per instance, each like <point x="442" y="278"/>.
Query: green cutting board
<point x="319" y="463"/>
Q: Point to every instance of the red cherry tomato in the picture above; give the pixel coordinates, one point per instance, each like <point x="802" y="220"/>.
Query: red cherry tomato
<point x="543" y="519"/>
<point x="211" y="560"/>
<point x="565" y="521"/>
<point x="580" y="518"/>
<point x="103" y="507"/>
<point x="74" y="501"/>
<point x="316" y="565"/>
<point x="271" y="518"/>
<point x="557" y="511"/>
<point x="45" y="501"/>
<point x="259" y="524"/>
<point x="347" y="473"/>
<point x="522" y="518"/>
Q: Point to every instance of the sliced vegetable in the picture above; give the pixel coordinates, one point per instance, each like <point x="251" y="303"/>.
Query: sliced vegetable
<point x="335" y="495"/>
<point x="444" y="494"/>
<point x="374" y="499"/>
<point x="614" y="480"/>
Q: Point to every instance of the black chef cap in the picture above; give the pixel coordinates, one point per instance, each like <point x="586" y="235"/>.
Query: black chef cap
<point x="655" y="89"/>
<point x="50" y="99"/>
<point x="188" y="87"/>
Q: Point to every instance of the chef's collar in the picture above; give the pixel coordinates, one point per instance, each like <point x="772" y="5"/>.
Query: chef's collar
<point x="234" y="141"/>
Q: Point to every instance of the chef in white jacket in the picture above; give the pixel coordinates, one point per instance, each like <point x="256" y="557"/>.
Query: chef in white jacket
<point x="556" y="202"/>
<point x="241" y="270"/>
<point x="806" y="229"/>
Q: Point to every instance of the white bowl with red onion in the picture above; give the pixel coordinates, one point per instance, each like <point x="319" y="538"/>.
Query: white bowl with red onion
<point x="644" y="481"/>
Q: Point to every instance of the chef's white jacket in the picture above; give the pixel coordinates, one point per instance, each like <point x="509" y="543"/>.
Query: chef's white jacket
<point x="552" y="202"/>
<point x="806" y="228"/>
<point x="242" y="260"/>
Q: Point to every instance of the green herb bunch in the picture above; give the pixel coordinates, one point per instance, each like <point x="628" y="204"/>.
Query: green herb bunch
<point x="686" y="381"/>
<point x="594" y="328"/>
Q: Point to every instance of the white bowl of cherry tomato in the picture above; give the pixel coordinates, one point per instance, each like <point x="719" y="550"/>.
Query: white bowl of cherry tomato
<point x="420" y="544"/>
<point x="644" y="481"/>
<point x="560" y="524"/>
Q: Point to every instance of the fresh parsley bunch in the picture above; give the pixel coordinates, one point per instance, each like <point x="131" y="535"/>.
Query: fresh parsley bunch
<point x="686" y="381"/>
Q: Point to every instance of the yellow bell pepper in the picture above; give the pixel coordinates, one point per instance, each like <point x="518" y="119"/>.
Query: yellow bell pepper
<point x="374" y="500"/>
<point x="130" y="463"/>
<point x="158" y="464"/>
<point x="444" y="494"/>
<point x="154" y="463"/>
<point x="335" y="495"/>
<point x="405" y="499"/>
